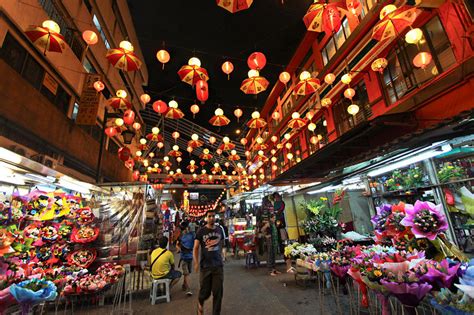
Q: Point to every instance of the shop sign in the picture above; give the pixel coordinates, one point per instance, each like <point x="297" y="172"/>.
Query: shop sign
<point x="89" y="103"/>
<point x="50" y="83"/>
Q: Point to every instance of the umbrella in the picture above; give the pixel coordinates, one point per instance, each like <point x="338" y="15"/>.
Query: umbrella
<point x="166" y="163"/>
<point x="174" y="113"/>
<point x="219" y="120"/>
<point x="143" y="147"/>
<point x="261" y="146"/>
<point x="123" y="59"/>
<point x="191" y="74"/>
<point x="256" y="123"/>
<point x="254" y="85"/>
<point x="394" y="22"/>
<point x="322" y="16"/>
<point x="216" y="169"/>
<point x="195" y="143"/>
<point x="297" y="123"/>
<point x="227" y="146"/>
<point x="175" y="154"/>
<point x="154" y="137"/>
<point x="119" y="103"/>
<point x="307" y="87"/>
<point x="192" y="168"/>
<point x="46" y="39"/>
<point x="234" y="5"/>
<point x="233" y="157"/>
<point x="206" y="156"/>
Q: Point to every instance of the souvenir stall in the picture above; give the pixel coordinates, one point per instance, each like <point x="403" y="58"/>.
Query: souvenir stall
<point x="63" y="240"/>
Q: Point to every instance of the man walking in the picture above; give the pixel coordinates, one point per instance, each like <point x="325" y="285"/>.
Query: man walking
<point x="185" y="246"/>
<point x="210" y="240"/>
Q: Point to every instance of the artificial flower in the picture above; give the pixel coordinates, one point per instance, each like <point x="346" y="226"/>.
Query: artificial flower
<point x="425" y="219"/>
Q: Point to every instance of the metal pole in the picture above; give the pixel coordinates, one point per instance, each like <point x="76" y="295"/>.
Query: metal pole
<point x="101" y="148"/>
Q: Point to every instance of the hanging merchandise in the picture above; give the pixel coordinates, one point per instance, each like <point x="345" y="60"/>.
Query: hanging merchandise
<point x="234" y="5"/>
<point x="393" y="21"/>
<point x="202" y="91"/>
<point x="47" y="37"/>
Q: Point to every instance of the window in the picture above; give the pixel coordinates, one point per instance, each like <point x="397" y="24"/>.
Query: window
<point x="88" y="66"/>
<point x="401" y="76"/>
<point x="21" y="61"/>
<point x="345" y="121"/>
<point x="75" y="110"/>
<point x="336" y="41"/>
<point x="101" y="31"/>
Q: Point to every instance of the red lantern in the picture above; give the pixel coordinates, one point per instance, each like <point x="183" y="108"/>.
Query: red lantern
<point x="202" y="90"/>
<point x="256" y="61"/>
<point x="124" y="153"/>
<point x="111" y="131"/>
<point x="130" y="163"/>
<point x="90" y="37"/>
<point x="422" y="60"/>
<point x="227" y="68"/>
<point x="160" y="107"/>
<point x="129" y="117"/>
<point x="136" y="175"/>
<point x="99" y="86"/>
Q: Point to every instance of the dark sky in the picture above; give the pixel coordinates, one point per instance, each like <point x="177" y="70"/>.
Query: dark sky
<point x="200" y="28"/>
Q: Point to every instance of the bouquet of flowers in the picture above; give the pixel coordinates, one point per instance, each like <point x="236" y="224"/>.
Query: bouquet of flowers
<point x="321" y="219"/>
<point x="396" y="181"/>
<point x="33" y="291"/>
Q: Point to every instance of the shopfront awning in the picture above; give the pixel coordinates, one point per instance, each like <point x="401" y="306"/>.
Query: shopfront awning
<point x="370" y="143"/>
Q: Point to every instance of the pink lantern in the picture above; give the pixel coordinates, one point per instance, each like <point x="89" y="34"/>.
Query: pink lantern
<point x="284" y="77"/>
<point x="90" y="37"/>
<point x="160" y="107"/>
<point x="422" y="60"/>
<point x="256" y="61"/>
<point x="227" y="68"/>
<point x="129" y="117"/>
<point x="136" y="126"/>
<point x="202" y="90"/>
<point x="99" y="86"/>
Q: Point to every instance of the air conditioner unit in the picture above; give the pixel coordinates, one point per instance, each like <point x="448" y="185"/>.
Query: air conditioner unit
<point x="47" y="160"/>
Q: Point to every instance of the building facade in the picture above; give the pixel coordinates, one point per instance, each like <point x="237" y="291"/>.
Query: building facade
<point x="41" y="92"/>
<point x="400" y="100"/>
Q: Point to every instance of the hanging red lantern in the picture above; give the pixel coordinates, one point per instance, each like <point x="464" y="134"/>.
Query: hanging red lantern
<point x="124" y="153"/>
<point x="129" y="117"/>
<point x="284" y="77"/>
<point x="422" y="60"/>
<point x="90" y="37"/>
<point x="111" y="131"/>
<point x="202" y="90"/>
<point x="256" y="61"/>
<point x="194" y="109"/>
<point x="136" y="175"/>
<point x="227" y="68"/>
<point x="160" y="107"/>
<point x="130" y="163"/>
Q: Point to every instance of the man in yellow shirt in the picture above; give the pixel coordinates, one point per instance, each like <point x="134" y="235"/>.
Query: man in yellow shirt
<point x="162" y="263"/>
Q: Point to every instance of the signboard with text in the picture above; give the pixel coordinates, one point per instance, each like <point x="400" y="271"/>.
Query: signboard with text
<point x="89" y="104"/>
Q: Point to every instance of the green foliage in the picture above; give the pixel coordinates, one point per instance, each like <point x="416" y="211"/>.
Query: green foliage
<point x="321" y="218"/>
<point x="449" y="172"/>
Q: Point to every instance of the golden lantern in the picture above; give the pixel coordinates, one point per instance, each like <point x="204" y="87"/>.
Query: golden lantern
<point x="136" y="125"/>
<point x="284" y="77"/>
<point x="387" y="10"/>
<point x="312" y="127"/>
<point x="253" y="73"/>
<point x="274" y="159"/>
<point x="289" y="156"/>
<point x="142" y="141"/>
<point x="163" y="56"/>
<point x="274" y="167"/>
<point x="288" y="145"/>
<point x="227" y="67"/>
<point x="353" y="109"/>
<point x="189" y="149"/>
<point x="175" y="148"/>
<point x="414" y="36"/>
<point x="287" y="136"/>
<point x="52" y="26"/>
<point x="305" y="75"/>
<point x="274" y="139"/>
<point x="119" y="122"/>
<point x="329" y="78"/>
<point x="326" y="102"/>
<point x="194" y="109"/>
<point x="212" y="139"/>
<point x="379" y="64"/>
<point x="138" y="153"/>
<point x="276" y="115"/>
<point x="422" y="60"/>
<point x="194" y="62"/>
<point x="314" y="140"/>
<point x="310" y="114"/>
<point x="273" y="151"/>
<point x="225" y="139"/>
<point x="126" y="45"/>
<point x="238" y="113"/>
<point x="160" y="145"/>
<point x="243" y="141"/>
<point x="121" y="94"/>
<point x="346" y="78"/>
<point x="155" y="130"/>
<point x="145" y="99"/>
<point x="99" y="86"/>
<point x="349" y="93"/>
<point x="175" y="135"/>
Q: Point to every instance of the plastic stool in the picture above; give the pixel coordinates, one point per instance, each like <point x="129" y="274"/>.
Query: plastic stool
<point x="154" y="290"/>
<point x="251" y="259"/>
